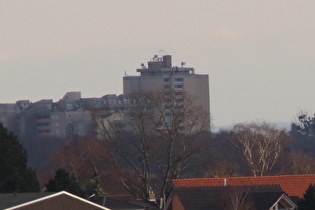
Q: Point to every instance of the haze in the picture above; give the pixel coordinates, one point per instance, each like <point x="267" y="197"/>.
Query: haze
<point x="260" y="55"/>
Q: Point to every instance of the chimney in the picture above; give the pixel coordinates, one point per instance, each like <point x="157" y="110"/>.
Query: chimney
<point x="152" y="196"/>
<point x="167" y="61"/>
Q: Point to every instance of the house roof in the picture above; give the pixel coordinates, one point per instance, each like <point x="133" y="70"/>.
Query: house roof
<point x="115" y="204"/>
<point x="12" y="199"/>
<point x="261" y="197"/>
<point x="61" y="201"/>
<point x="293" y="185"/>
<point x="265" y="200"/>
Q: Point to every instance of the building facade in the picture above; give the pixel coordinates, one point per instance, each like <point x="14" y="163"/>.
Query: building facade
<point x="160" y="75"/>
<point x="73" y="115"/>
<point x="69" y="117"/>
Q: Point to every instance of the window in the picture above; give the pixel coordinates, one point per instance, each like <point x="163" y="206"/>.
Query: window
<point x="178" y="86"/>
<point x="43" y="131"/>
<point x="43" y="124"/>
<point x="69" y="106"/>
<point x="178" y="96"/>
<point x="178" y="79"/>
<point x="179" y="100"/>
<point x="43" y="117"/>
<point x="166" y="80"/>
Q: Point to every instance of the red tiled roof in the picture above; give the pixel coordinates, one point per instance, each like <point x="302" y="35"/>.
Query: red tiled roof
<point x="293" y="185"/>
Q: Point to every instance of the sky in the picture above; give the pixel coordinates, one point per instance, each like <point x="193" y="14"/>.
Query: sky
<point x="259" y="55"/>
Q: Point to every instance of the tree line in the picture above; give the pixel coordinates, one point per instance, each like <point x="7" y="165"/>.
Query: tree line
<point x="159" y="137"/>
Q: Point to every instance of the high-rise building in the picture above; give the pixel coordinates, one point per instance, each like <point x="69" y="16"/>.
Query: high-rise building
<point x="71" y="115"/>
<point x="160" y="75"/>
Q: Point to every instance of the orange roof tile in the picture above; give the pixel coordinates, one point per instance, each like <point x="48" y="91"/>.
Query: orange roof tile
<point x="293" y="185"/>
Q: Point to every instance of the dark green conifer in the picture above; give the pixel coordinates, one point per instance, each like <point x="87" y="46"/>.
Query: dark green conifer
<point x="15" y="176"/>
<point x="64" y="181"/>
<point x="308" y="200"/>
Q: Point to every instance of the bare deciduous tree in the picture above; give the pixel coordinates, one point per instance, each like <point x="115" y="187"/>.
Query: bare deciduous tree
<point x="84" y="158"/>
<point x="179" y="123"/>
<point x="298" y="163"/>
<point x="260" y="144"/>
<point x="155" y="139"/>
<point x="236" y="198"/>
<point x="221" y="157"/>
<point x="129" y="133"/>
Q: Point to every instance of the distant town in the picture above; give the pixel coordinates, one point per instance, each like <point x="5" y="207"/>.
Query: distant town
<point x="71" y="115"/>
<point x="151" y="147"/>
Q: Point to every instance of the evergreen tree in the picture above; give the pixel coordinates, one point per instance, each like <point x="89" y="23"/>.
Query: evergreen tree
<point x="15" y="176"/>
<point x="308" y="200"/>
<point x="95" y="188"/>
<point x="64" y="181"/>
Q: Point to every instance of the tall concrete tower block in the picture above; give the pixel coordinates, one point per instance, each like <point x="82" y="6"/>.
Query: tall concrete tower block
<point x="159" y="74"/>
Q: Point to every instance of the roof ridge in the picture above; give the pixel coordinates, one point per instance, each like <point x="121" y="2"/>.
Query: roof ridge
<point x="246" y="177"/>
<point x="292" y="184"/>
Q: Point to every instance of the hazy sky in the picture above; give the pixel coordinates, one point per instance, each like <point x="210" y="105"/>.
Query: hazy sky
<point x="260" y="55"/>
